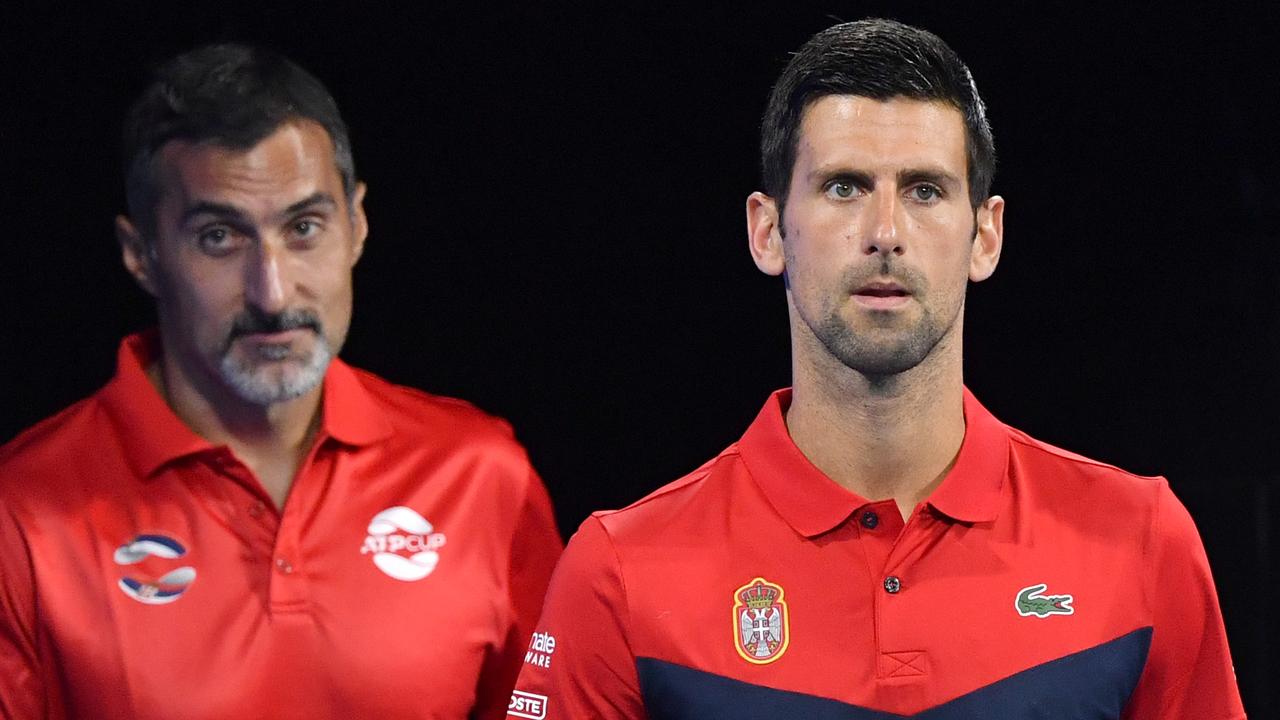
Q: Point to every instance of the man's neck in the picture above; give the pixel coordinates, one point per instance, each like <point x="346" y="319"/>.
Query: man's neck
<point x="271" y="440"/>
<point x="894" y="437"/>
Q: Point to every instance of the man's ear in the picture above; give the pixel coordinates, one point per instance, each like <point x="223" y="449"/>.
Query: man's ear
<point x="136" y="254"/>
<point x="988" y="240"/>
<point x="359" y="222"/>
<point x="764" y="234"/>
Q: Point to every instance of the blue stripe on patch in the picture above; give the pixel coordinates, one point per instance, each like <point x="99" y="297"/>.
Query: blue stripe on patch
<point x="166" y="541"/>
<point x="1093" y="684"/>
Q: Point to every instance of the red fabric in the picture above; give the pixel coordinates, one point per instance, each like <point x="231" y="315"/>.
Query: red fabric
<point x="286" y="616"/>
<point x="659" y="579"/>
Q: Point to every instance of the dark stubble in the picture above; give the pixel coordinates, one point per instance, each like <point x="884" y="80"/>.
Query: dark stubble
<point x="888" y="348"/>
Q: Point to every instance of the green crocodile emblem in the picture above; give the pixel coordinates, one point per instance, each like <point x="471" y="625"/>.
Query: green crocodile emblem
<point x="1032" y="602"/>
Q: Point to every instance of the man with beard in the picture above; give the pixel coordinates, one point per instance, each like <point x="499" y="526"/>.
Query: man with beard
<point x="878" y="544"/>
<point x="239" y="524"/>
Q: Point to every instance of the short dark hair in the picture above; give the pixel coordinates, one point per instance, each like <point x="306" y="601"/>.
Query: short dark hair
<point x="228" y="94"/>
<point x="878" y="59"/>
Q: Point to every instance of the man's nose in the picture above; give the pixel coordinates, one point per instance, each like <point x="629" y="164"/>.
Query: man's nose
<point x="266" y="281"/>
<point x="882" y="222"/>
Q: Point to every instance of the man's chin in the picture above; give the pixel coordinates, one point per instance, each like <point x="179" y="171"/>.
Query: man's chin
<point x="268" y="382"/>
<point x="879" y="354"/>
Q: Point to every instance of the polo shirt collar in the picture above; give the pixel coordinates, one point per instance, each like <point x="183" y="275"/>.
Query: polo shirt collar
<point x="973" y="490"/>
<point x="351" y="415"/>
<point x="813" y="503"/>
<point x="152" y="435"/>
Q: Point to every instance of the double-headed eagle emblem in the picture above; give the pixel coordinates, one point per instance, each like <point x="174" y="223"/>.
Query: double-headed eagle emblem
<point x="760" y="627"/>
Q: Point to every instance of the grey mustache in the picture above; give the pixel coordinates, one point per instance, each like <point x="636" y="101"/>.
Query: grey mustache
<point x="255" y="321"/>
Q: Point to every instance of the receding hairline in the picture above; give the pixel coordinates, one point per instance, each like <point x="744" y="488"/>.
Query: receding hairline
<point x="234" y="94"/>
<point x="301" y="122"/>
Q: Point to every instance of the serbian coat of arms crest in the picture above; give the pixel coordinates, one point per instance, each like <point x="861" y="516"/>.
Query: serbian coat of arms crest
<point x="760" y="628"/>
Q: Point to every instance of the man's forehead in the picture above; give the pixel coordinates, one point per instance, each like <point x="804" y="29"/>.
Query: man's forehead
<point x="848" y="127"/>
<point x="292" y="162"/>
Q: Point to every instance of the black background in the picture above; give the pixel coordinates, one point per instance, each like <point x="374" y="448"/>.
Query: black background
<point x="556" y="204"/>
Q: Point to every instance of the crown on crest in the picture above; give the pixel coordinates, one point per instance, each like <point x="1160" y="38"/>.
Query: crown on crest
<point x="759" y="596"/>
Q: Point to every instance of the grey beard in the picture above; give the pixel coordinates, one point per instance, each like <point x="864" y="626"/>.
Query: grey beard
<point x="254" y="386"/>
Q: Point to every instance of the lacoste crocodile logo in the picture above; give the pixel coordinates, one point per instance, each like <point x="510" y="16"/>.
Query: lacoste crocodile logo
<point x="1031" y="602"/>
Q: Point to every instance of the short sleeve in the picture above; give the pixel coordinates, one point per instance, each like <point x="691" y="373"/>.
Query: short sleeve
<point x="580" y="663"/>
<point x="1188" y="672"/>
<point x="535" y="547"/>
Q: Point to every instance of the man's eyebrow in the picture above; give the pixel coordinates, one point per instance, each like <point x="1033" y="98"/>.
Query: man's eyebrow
<point x="937" y="176"/>
<point x="908" y="176"/>
<point x="318" y="200"/>
<point x="205" y="207"/>
<point x="828" y="172"/>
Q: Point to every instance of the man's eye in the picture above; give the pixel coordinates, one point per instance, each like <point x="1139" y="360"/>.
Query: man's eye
<point x="926" y="193"/>
<point x="841" y="189"/>
<point x="216" y="241"/>
<point x="305" y="228"/>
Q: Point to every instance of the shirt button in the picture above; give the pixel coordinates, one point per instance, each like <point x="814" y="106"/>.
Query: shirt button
<point x="892" y="584"/>
<point x="257" y="508"/>
<point x="870" y="520"/>
<point x="284" y="566"/>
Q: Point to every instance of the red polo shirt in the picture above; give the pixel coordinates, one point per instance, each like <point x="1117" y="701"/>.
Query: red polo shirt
<point x="145" y="573"/>
<point x="1033" y="583"/>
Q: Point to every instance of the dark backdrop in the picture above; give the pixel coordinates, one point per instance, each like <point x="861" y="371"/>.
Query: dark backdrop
<point x="556" y="202"/>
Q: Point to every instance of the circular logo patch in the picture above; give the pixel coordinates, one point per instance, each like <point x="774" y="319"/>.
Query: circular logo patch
<point x="404" y="545"/>
<point x="154" y="590"/>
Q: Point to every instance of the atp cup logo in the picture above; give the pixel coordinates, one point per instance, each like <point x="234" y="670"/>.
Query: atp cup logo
<point x="761" y="631"/>
<point x="403" y="543"/>
<point x="154" y="591"/>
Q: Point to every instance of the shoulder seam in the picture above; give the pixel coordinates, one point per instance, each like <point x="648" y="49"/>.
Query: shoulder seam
<point x="1033" y="444"/>
<point x="386" y="399"/>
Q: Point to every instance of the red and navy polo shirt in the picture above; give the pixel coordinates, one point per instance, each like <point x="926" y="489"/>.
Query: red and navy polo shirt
<point x="1032" y="583"/>
<point x="146" y="574"/>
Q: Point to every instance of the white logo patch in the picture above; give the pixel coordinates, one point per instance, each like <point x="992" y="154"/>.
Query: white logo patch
<point x="540" y="648"/>
<point x="404" y="545"/>
<point x="527" y="705"/>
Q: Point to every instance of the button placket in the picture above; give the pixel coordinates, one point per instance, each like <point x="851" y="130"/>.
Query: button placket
<point x="903" y="654"/>
<point x="289" y="584"/>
